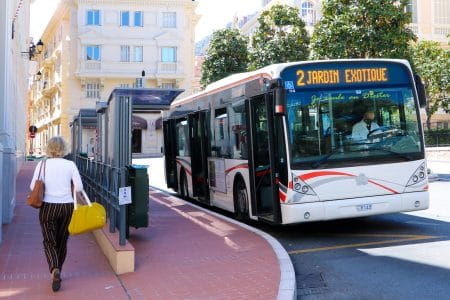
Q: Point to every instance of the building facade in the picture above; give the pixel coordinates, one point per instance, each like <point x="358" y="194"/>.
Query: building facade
<point x="14" y="62"/>
<point x="430" y="18"/>
<point x="94" y="46"/>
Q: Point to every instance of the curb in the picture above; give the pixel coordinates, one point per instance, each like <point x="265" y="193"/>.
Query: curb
<point x="287" y="288"/>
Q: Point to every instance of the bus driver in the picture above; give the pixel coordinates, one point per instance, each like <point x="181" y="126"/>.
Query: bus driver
<point x="361" y="129"/>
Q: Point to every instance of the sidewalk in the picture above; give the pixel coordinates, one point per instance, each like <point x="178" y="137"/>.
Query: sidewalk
<point x="185" y="253"/>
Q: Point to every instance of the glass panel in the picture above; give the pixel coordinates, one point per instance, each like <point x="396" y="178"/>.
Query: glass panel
<point x="138" y="19"/>
<point x="238" y="131"/>
<point x="341" y="125"/>
<point x="125" y="18"/>
<point x="138" y="51"/>
<point x="308" y="13"/>
<point x="92" y="53"/>
<point x="220" y="144"/>
<point x="124" y="53"/>
<point x="93" y="17"/>
<point x="169" y="20"/>
<point x="168" y="54"/>
<point x="182" y="130"/>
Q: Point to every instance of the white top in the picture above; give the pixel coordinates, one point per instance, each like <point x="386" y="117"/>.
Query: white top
<point x="360" y="130"/>
<point x="58" y="175"/>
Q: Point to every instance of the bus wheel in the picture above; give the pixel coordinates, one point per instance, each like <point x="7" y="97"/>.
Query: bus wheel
<point x="184" y="192"/>
<point x="240" y="200"/>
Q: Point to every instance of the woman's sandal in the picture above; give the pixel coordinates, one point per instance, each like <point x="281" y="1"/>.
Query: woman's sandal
<point x="56" y="282"/>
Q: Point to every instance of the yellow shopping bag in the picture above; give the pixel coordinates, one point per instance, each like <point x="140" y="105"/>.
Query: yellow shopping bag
<point x="86" y="218"/>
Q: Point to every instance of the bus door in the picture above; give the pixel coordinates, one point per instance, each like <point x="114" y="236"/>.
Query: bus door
<point x="199" y="154"/>
<point x="261" y="160"/>
<point x="170" y="153"/>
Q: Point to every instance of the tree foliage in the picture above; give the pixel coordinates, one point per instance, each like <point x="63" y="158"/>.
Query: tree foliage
<point x="432" y="63"/>
<point x="280" y="37"/>
<point x="226" y="54"/>
<point x="363" y="29"/>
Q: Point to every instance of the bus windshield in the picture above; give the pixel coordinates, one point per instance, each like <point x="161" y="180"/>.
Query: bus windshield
<point x="352" y="126"/>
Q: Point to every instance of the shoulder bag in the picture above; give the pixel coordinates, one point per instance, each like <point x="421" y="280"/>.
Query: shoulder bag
<point x="36" y="196"/>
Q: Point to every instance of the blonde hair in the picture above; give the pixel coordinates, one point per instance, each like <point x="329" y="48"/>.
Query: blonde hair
<point x="56" y="147"/>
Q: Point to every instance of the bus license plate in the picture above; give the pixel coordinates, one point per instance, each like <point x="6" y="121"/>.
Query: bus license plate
<point x="364" y="207"/>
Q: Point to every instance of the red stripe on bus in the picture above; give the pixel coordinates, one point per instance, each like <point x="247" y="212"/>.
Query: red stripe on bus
<point x="307" y="176"/>
<point x="262" y="173"/>
<point x="186" y="169"/>
<point x="282" y="196"/>
<point x="242" y="166"/>
<point x="384" y="187"/>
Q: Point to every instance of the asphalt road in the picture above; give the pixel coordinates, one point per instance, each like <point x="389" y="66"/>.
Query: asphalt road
<point x="395" y="256"/>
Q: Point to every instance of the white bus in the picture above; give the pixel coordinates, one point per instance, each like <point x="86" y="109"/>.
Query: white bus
<point x="279" y="144"/>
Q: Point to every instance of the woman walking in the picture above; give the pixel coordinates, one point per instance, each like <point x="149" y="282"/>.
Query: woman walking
<point x="57" y="207"/>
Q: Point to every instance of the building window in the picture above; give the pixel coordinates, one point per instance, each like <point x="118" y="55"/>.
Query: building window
<point x="169" y="20"/>
<point x="125" y="18"/>
<point x="139" y="83"/>
<point x="411" y="7"/>
<point x="124" y="85"/>
<point x="93" y="52"/>
<point x="169" y="54"/>
<point x="308" y="13"/>
<point x="125" y="53"/>
<point x="138" y="53"/>
<point x="168" y="85"/>
<point x="441" y="9"/>
<point x="138" y="19"/>
<point x="93" y="17"/>
<point x="93" y="90"/>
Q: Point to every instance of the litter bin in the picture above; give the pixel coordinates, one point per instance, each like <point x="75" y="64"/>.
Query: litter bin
<point x="137" y="214"/>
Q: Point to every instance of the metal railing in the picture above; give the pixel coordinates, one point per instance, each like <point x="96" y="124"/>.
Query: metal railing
<point x="102" y="182"/>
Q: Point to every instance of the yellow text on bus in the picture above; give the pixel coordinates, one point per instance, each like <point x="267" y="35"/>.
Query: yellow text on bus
<point x="357" y="75"/>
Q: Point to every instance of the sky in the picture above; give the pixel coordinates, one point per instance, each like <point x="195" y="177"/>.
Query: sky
<point x="215" y="14"/>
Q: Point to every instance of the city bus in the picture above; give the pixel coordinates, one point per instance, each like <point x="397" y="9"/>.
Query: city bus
<point x="278" y="144"/>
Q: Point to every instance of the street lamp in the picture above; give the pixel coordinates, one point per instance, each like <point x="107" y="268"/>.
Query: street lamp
<point x="34" y="49"/>
<point x="38" y="76"/>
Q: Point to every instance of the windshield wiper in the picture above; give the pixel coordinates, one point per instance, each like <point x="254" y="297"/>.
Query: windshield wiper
<point x="407" y="157"/>
<point x="317" y="163"/>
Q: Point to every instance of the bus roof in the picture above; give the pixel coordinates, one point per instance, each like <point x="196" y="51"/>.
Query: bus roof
<point x="270" y="72"/>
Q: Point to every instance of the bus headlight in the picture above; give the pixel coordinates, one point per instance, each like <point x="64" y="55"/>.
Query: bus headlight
<point x="301" y="187"/>
<point x="418" y="176"/>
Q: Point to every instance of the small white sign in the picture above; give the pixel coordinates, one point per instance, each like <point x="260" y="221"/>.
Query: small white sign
<point x="125" y="195"/>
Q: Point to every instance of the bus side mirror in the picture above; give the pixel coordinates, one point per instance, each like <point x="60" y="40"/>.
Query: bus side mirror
<point x="420" y="91"/>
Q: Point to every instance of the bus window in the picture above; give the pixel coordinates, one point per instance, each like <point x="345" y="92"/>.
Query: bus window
<point x="238" y="137"/>
<point x="221" y="143"/>
<point x="182" y="137"/>
<point x="338" y="112"/>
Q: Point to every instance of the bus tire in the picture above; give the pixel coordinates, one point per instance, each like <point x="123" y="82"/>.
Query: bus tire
<point x="240" y="200"/>
<point x="184" y="191"/>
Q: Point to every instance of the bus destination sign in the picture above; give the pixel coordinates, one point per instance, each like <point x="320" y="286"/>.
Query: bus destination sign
<point x="322" y="75"/>
<point x="313" y="77"/>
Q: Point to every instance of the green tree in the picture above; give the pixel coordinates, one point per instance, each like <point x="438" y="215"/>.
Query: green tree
<point x="227" y="54"/>
<point x="362" y="29"/>
<point x="280" y="37"/>
<point x="432" y="63"/>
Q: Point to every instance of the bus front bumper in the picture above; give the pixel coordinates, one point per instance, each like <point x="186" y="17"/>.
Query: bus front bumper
<point x="354" y="207"/>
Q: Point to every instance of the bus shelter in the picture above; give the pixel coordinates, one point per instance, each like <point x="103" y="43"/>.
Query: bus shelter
<point x="112" y="168"/>
<point x="84" y="128"/>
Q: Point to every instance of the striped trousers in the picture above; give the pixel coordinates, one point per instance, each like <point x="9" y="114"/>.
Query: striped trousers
<point x="54" y="219"/>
